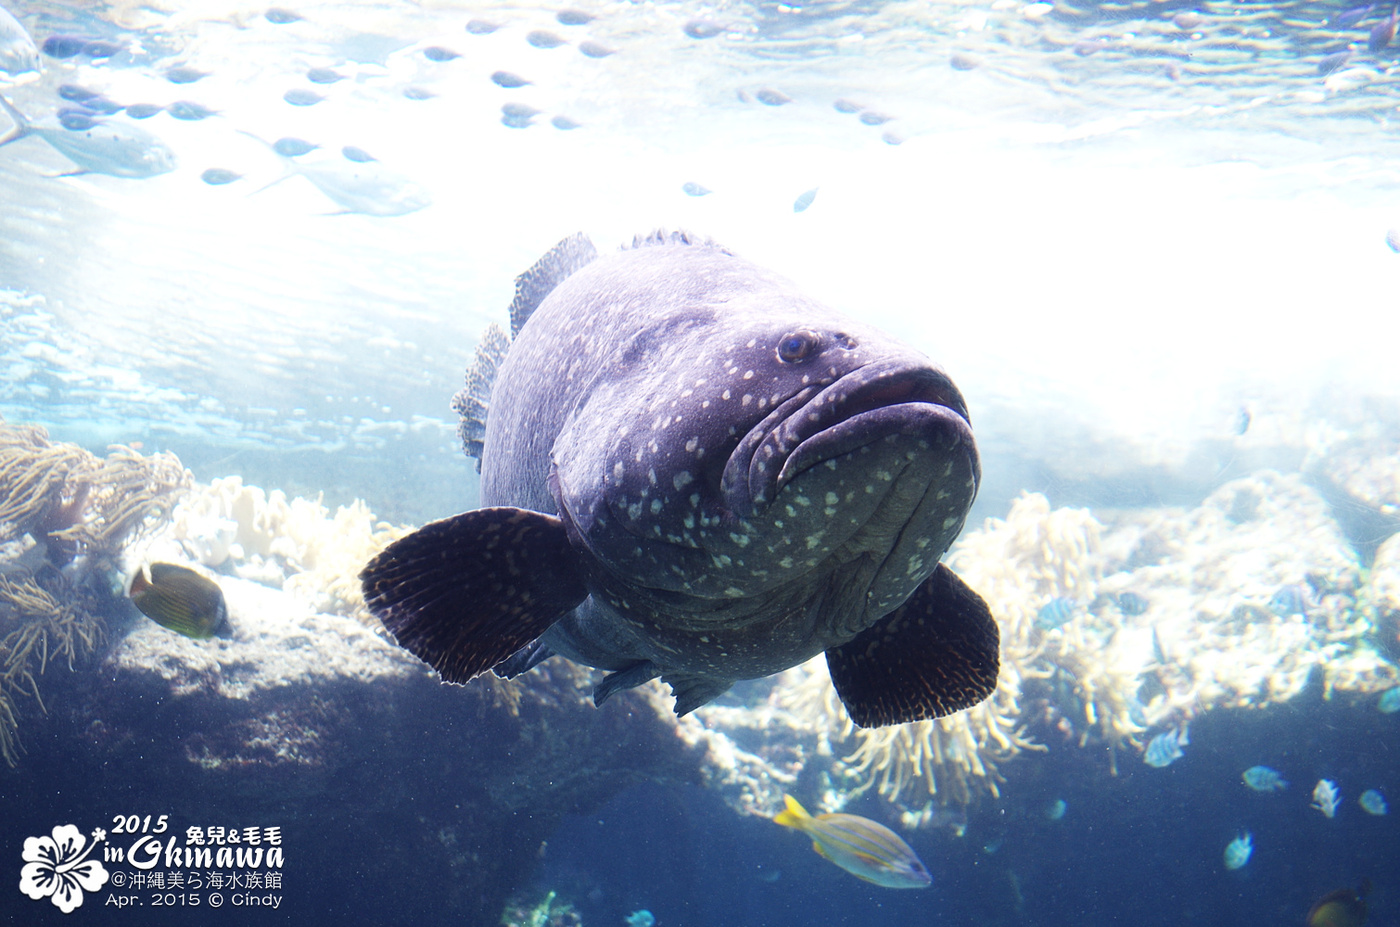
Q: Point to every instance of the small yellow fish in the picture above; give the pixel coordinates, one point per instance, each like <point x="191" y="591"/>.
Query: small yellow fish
<point x="865" y="849"/>
<point x="180" y="599"/>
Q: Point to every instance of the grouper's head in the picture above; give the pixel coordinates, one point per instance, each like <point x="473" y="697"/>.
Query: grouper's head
<point x="758" y="442"/>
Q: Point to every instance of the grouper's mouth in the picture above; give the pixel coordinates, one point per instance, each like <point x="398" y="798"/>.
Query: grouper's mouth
<point x="820" y="423"/>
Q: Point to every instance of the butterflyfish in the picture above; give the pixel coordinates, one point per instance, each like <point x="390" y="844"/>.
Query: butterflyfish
<point x="180" y="599"/>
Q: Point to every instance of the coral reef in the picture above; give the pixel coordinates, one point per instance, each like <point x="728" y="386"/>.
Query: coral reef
<point x="550" y="912"/>
<point x="319" y="711"/>
<point x="296" y="544"/>
<point x="38" y="624"/>
<point x="65" y="517"/>
<point x="1382" y="595"/>
<point x="71" y="501"/>
<point x="1252" y="593"/>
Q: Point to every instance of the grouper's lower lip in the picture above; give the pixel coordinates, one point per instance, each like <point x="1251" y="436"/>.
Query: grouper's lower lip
<point x="861" y="408"/>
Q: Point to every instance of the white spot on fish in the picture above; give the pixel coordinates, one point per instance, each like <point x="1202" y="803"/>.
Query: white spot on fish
<point x="748" y="374"/>
<point x="832" y="498"/>
<point x="725" y="395"/>
<point x="655" y="507"/>
<point x="741" y="539"/>
<point x="950" y="521"/>
<point x="682" y="480"/>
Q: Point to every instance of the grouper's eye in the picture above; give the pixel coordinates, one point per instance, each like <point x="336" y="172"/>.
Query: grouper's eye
<point x="798" y="346"/>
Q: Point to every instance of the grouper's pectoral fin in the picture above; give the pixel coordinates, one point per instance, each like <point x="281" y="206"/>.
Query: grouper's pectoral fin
<point x="523" y="660"/>
<point x="635" y="675"/>
<point x="465" y="593"/>
<point x="693" y="691"/>
<point x="934" y="655"/>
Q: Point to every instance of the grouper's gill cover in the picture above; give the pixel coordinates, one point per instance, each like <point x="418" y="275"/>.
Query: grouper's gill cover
<point x="702" y="475"/>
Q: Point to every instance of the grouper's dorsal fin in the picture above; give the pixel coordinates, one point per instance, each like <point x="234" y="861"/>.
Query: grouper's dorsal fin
<point x="549" y="271"/>
<point x="474" y="399"/>
<point x="678" y="237"/>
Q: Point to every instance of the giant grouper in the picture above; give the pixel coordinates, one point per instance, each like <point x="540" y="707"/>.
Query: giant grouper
<point x="692" y="471"/>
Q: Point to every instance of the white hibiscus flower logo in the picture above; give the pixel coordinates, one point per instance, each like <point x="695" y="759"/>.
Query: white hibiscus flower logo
<point x="57" y="867"/>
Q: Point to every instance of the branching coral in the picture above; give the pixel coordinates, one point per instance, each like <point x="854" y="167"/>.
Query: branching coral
<point x="70" y="500"/>
<point x="57" y="502"/>
<point x="128" y="495"/>
<point x="40" y="620"/>
<point x="950" y="757"/>
<point x="297" y="544"/>
<point x="42" y="485"/>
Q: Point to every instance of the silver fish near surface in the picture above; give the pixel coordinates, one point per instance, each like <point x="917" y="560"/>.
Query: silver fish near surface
<point x="365" y="187"/>
<point x="508" y="80"/>
<point x="692" y="471"/>
<point x="18" y="53"/>
<point x="103" y="148"/>
<point x="219" y="176"/>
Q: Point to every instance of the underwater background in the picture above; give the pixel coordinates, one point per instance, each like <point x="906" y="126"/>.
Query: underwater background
<point x="1154" y="244"/>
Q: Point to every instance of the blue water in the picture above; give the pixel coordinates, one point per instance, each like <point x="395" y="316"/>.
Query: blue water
<point x="1116" y="227"/>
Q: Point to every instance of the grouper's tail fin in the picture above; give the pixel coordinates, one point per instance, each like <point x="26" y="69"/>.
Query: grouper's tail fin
<point x="21" y="124"/>
<point x="473" y="401"/>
